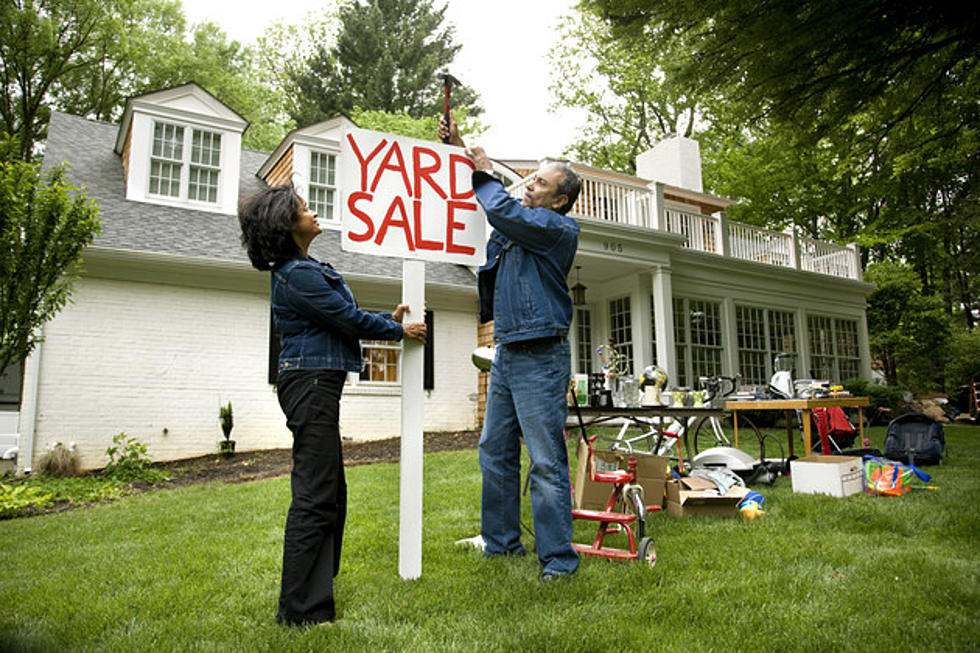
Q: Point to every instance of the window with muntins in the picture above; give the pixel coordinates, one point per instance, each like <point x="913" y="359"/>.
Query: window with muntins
<point x="323" y="184"/>
<point x="185" y="163"/>
<point x="697" y="336"/>
<point x="583" y="341"/>
<point x="381" y="361"/>
<point x="761" y="335"/>
<point x="166" y="160"/>
<point x="621" y="330"/>
<point x="820" y="332"/>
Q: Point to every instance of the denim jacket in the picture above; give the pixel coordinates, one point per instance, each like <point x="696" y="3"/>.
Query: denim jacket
<point x="319" y="319"/>
<point x="529" y="255"/>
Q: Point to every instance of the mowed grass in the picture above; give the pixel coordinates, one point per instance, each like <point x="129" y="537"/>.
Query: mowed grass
<point x="197" y="569"/>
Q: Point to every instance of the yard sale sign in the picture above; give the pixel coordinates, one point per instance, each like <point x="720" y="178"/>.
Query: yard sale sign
<point x="409" y="198"/>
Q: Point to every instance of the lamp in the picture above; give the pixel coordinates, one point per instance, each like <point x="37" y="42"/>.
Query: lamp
<point x="578" y="290"/>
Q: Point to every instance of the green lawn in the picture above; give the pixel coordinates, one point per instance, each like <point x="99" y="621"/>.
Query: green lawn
<point x="197" y="569"/>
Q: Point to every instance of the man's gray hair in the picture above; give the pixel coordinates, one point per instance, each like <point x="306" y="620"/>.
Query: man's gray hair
<point x="569" y="185"/>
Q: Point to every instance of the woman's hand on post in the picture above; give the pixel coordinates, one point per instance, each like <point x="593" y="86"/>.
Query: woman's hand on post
<point x="415" y="331"/>
<point x="399" y="312"/>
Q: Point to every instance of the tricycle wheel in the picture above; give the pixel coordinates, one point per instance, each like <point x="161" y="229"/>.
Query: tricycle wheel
<point x="636" y="505"/>
<point x="647" y="551"/>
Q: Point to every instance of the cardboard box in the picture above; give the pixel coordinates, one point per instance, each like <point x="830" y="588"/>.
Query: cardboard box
<point x="693" y="496"/>
<point x="838" y="476"/>
<point x="651" y="473"/>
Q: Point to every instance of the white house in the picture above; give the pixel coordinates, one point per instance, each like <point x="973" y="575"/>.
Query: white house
<point x="169" y="320"/>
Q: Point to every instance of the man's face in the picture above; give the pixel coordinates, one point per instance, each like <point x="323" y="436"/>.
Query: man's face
<point x="542" y="190"/>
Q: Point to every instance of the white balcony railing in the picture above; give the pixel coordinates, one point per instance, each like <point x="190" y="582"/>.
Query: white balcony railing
<point x="637" y="206"/>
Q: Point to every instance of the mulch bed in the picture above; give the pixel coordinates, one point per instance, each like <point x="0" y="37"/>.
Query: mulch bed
<point x="246" y="466"/>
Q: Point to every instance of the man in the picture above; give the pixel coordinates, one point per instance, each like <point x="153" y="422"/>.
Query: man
<point x="523" y="290"/>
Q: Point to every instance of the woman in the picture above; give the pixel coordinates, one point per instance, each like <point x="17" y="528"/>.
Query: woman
<point x="321" y="326"/>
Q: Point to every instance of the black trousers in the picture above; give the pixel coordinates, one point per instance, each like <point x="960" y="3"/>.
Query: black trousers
<point x="315" y="523"/>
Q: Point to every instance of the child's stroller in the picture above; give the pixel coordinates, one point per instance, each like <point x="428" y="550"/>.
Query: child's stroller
<point x="832" y="432"/>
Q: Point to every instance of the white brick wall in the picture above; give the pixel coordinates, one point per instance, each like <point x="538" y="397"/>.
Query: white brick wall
<point x="155" y="361"/>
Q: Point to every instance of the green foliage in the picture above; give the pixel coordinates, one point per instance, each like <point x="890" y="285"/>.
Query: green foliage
<point x="624" y="85"/>
<point x="227" y="419"/>
<point x="879" y="396"/>
<point x="128" y="461"/>
<point x="86" y="57"/>
<point x="45" y="223"/>
<point x="963" y="364"/>
<point x="387" y="56"/>
<point x="856" y="121"/>
<point x="17" y="499"/>
<point x="402" y="124"/>
<point x="816" y="64"/>
<point x="908" y="331"/>
<point x="81" y="56"/>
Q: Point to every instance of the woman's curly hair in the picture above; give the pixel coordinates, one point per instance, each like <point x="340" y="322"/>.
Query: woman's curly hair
<point x="267" y="220"/>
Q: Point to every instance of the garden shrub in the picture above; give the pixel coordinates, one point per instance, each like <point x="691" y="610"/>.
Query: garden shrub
<point x="128" y="461"/>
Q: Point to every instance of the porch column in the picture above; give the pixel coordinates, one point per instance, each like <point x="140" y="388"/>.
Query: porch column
<point x="729" y="337"/>
<point x="864" y="346"/>
<point x="643" y="348"/>
<point x="802" y="346"/>
<point x="856" y="262"/>
<point x="663" y="318"/>
<point x="658" y="218"/>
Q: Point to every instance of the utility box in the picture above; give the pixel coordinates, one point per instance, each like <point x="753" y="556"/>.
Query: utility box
<point x="838" y="476"/>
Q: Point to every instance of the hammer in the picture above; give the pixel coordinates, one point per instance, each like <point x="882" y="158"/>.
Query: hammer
<point x="447" y="82"/>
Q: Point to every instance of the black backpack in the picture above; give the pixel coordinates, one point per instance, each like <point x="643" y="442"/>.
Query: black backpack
<point x="915" y="439"/>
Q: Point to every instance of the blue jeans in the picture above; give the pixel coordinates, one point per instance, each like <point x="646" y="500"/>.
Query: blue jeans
<point x="527" y="396"/>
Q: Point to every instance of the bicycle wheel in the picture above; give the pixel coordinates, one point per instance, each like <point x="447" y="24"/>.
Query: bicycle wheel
<point x="720" y="432"/>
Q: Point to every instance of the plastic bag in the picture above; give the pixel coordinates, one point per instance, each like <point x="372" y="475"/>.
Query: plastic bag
<point x="885" y="476"/>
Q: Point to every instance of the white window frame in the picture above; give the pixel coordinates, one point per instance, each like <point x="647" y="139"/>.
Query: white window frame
<point x="367" y="346"/>
<point x="829" y="349"/>
<point x="185" y="162"/>
<point x="328" y="185"/>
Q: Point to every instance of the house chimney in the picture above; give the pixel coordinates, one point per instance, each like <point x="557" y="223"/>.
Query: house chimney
<point x="674" y="160"/>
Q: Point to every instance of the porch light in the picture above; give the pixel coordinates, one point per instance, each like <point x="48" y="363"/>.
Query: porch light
<point x="578" y="290"/>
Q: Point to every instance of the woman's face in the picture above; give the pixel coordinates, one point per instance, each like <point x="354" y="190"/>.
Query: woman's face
<point x="306" y="227"/>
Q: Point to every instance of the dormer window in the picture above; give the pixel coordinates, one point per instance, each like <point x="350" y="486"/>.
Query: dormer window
<point x="181" y="148"/>
<point x="177" y="149"/>
<point x="323" y="183"/>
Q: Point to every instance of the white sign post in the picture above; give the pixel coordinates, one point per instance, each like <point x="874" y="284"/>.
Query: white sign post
<point x="411" y="199"/>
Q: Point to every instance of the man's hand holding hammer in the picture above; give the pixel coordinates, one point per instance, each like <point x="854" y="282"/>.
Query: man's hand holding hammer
<point x="450" y="134"/>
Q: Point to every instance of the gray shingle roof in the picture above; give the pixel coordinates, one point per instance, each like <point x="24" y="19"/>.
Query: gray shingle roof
<point x="87" y="146"/>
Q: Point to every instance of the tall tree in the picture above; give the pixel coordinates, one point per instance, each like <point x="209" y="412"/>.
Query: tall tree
<point x="44" y="225"/>
<point x="816" y="63"/>
<point x="621" y="83"/>
<point x="387" y="57"/>
<point x="86" y="57"/>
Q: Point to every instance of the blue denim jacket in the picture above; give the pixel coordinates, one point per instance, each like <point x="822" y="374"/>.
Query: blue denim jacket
<point x="319" y="319"/>
<point x="523" y="283"/>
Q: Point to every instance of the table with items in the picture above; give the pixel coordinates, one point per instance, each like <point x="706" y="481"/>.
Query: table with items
<point x="806" y="406"/>
<point x="668" y="422"/>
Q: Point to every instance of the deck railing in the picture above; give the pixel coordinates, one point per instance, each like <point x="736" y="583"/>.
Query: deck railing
<point x="638" y="206"/>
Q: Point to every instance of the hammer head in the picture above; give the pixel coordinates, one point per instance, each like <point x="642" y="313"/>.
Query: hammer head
<point x="448" y="80"/>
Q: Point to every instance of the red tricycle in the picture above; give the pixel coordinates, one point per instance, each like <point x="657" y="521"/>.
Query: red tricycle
<point x="625" y="493"/>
